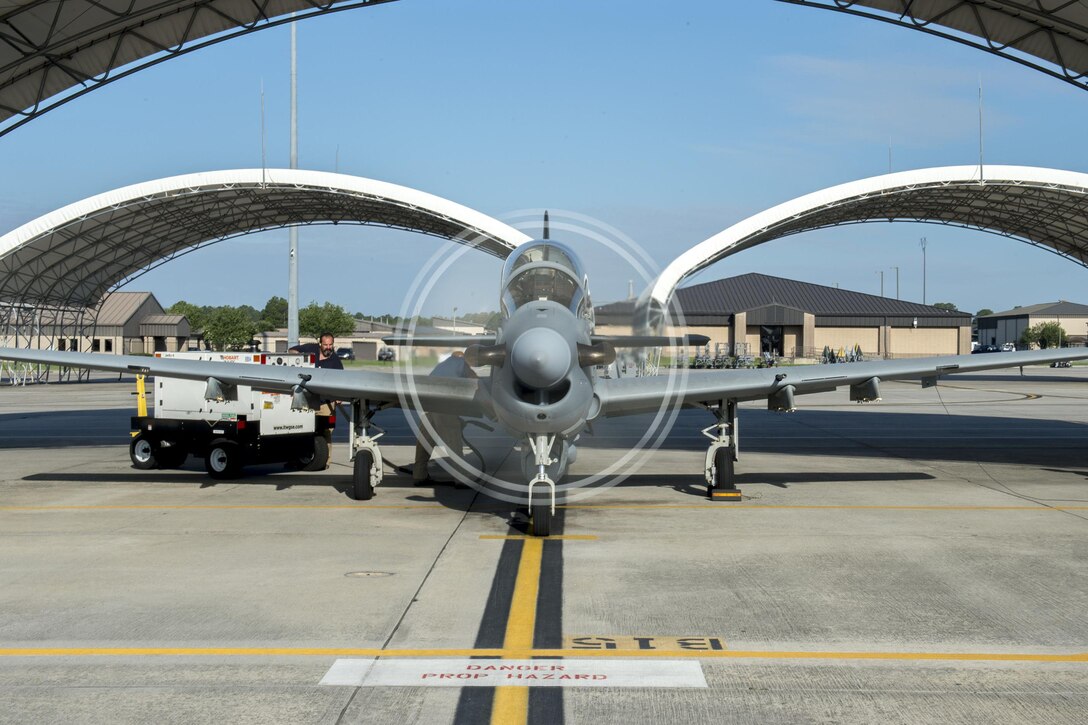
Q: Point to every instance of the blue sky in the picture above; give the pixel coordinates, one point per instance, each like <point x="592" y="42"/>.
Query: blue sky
<point x="665" y="121"/>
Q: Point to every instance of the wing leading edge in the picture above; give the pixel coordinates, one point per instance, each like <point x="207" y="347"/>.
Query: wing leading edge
<point x="440" y="395"/>
<point x="626" y="396"/>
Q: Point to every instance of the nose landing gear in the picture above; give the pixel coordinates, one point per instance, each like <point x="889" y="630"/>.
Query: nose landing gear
<point x="542" y="509"/>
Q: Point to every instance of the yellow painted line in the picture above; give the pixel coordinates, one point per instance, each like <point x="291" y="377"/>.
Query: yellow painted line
<point x="528" y="653"/>
<point x="565" y="537"/>
<point x="511" y="704"/>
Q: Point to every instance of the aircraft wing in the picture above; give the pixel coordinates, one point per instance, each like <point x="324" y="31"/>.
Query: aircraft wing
<point x="434" y="394"/>
<point x="625" y="396"/>
<point x="439" y="340"/>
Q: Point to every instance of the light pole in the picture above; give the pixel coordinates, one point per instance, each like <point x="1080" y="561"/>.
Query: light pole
<point x="896" y="282"/>
<point x="881" y="273"/>
<point x="455" y="320"/>
<point x="292" y="233"/>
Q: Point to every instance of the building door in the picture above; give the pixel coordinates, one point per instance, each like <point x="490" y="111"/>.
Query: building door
<point x="770" y="340"/>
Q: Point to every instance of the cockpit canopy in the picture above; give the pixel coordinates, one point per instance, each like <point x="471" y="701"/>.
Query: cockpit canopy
<point x="545" y="270"/>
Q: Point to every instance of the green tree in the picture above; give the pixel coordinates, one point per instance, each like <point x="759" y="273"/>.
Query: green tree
<point x="274" y="314"/>
<point x="1044" y="334"/>
<point x="314" y="320"/>
<point x="946" y="306"/>
<point x="229" y="328"/>
<point x="983" y="312"/>
<point x="197" y="316"/>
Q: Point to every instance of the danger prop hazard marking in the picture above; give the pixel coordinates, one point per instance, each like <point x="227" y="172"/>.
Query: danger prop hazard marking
<point x="517" y="673"/>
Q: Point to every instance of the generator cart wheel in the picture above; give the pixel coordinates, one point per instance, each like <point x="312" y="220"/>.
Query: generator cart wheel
<point x="361" y="488"/>
<point x="540" y="519"/>
<point x="224" y="459"/>
<point x="171" y="456"/>
<point x="142" y="453"/>
<point x="318" y="460"/>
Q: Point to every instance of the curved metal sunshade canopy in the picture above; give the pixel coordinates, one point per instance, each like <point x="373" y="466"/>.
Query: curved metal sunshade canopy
<point x="1044" y="207"/>
<point x="72" y="256"/>
<point x="1047" y="35"/>
<point x="52" y="52"/>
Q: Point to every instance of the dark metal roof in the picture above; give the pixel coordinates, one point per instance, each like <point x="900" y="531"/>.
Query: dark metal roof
<point x="1061" y="307"/>
<point x="55" y="51"/>
<point x="750" y="291"/>
<point x="709" y="302"/>
<point x="1047" y="35"/>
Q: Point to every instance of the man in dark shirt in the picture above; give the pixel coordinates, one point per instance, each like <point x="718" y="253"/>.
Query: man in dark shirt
<point x="324" y="357"/>
<point x="324" y="352"/>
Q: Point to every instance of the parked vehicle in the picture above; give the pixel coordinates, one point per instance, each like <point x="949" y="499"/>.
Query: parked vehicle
<point x="985" y="348"/>
<point x="229" y="426"/>
<point x="345" y="353"/>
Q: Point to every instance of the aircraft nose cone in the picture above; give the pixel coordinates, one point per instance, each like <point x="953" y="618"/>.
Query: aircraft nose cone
<point x="541" y="358"/>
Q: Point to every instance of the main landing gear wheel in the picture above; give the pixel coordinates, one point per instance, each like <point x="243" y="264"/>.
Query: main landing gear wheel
<point x="224" y="459"/>
<point x="540" y="519"/>
<point x="361" y="487"/>
<point x="142" y="453"/>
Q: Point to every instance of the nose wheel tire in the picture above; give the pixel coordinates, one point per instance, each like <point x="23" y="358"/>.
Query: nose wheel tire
<point x="540" y="519"/>
<point x="361" y="487"/>
<point x="724" y="474"/>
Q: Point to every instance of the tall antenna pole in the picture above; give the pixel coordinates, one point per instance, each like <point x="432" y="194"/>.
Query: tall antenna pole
<point x="896" y="282"/>
<point x="923" y="243"/>
<point x="264" y="144"/>
<point x="292" y="280"/>
<point x="981" y="174"/>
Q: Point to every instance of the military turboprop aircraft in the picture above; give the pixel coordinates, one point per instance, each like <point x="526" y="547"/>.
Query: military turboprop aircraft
<point x="543" y="386"/>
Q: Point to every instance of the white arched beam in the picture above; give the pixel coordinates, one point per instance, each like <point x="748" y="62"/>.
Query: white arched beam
<point x="72" y="256"/>
<point x="1044" y="207"/>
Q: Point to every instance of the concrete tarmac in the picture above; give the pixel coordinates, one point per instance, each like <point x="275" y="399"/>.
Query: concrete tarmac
<point x="921" y="559"/>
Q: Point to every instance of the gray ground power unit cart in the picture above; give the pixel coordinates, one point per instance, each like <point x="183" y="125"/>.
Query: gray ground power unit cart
<point x="230" y="428"/>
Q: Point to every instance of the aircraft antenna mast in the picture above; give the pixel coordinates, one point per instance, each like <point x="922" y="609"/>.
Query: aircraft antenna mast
<point x="264" y="145"/>
<point x="981" y="173"/>
<point x="292" y="277"/>
<point x="547" y="234"/>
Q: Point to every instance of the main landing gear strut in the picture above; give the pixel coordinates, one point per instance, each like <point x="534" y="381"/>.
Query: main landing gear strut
<point x="365" y="454"/>
<point x="542" y="508"/>
<point x="722" y="455"/>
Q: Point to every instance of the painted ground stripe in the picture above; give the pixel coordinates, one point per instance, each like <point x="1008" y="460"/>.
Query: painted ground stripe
<point x="573" y="537"/>
<point x="1070" y="657"/>
<point x="511" y="704"/>
<point x="524" y="673"/>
